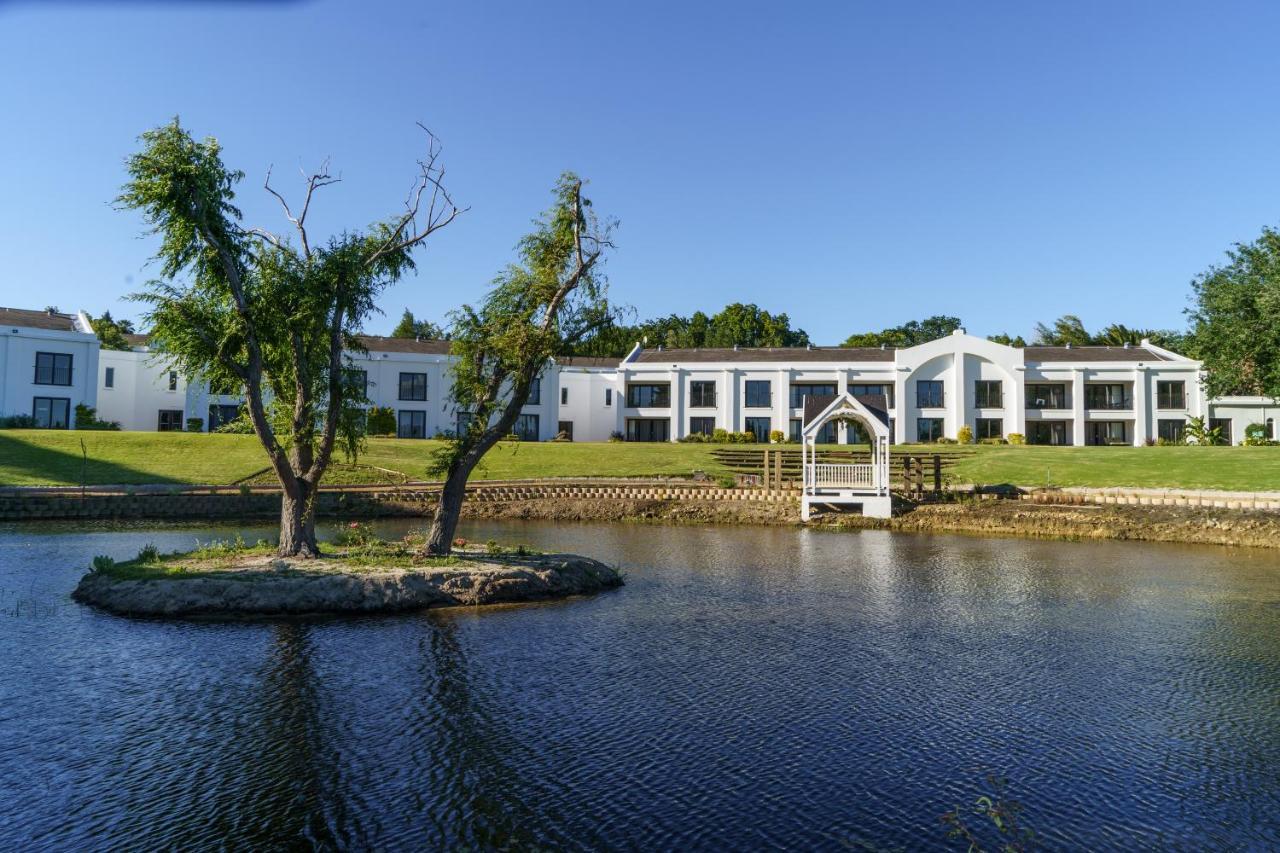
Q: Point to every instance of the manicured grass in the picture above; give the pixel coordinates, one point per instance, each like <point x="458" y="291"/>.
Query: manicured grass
<point x="52" y="457"/>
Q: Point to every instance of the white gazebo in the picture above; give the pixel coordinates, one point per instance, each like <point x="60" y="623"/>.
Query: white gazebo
<point x="845" y="483"/>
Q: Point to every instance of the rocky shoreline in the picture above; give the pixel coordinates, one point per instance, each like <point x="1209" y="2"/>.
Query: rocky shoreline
<point x="265" y="586"/>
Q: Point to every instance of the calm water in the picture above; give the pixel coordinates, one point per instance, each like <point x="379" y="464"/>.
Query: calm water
<point x="749" y="688"/>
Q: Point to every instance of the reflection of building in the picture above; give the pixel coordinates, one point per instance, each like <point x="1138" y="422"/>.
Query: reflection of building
<point x="1051" y="395"/>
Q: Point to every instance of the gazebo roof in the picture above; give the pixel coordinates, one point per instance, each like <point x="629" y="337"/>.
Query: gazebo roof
<point x="876" y="405"/>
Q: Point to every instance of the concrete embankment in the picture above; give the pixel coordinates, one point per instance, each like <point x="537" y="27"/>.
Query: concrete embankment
<point x="264" y="586"/>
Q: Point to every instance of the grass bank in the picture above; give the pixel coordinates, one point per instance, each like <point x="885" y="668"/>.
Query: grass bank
<point x="53" y="457"/>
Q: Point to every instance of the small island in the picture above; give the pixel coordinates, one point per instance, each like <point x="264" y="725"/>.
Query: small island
<point x="359" y="574"/>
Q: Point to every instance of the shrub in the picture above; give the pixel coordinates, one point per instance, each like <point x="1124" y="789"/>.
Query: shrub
<point x="381" y="420"/>
<point x="727" y="481"/>
<point x="244" y="490"/>
<point x="511" y="436"/>
<point x="694" y="438"/>
<point x="356" y="533"/>
<point x="945" y="440"/>
<point x="1017" y="438"/>
<point x="149" y="553"/>
<point x="459" y="542"/>
<point x="1256" y="435"/>
<point x="744" y="437"/>
<point x="993" y="441"/>
<point x="562" y="436"/>
<point x="964" y="435"/>
<point x="195" y="424"/>
<point x="87" y="418"/>
<point x="239" y="425"/>
<point x="720" y="435"/>
<point x="492" y="547"/>
<point x="103" y="563"/>
<point x="617" y="436"/>
<point x="18" y="422"/>
<point x="777" y="436"/>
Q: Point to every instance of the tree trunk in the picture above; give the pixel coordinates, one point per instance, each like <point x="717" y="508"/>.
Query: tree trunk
<point x="298" y="524"/>
<point x="448" y="511"/>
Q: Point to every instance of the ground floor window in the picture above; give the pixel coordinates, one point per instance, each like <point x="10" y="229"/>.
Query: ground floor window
<point x="565" y="428"/>
<point x="1047" y="432"/>
<point x="170" y="420"/>
<point x="760" y="427"/>
<point x="990" y="428"/>
<point x="1171" y="430"/>
<point x="648" y="429"/>
<point x="1107" y="432"/>
<point x="829" y="434"/>
<point x="220" y="414"/>
<point x="51" y="412"/>
<point x="527" y="427"/>
<point x="856" y="433"/>
<point x="928" y="429"/>
<point x="411" y="424"/>
<point x="1223" y="425"/>
<point x="463" y="422"/>
<point x="702" y="426"/>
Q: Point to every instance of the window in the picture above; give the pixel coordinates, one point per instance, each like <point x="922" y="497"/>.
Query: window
<point x="1106" y="397"/>
<point x="564" y="396"/>
<point x="53" y="368"/>
<point x="413" y="386"/>
<point x="702" y="426"/>
<point x="463" y="422"/>
<point x="535" y="392"/>
<point x="109" y="380"/>
<point x="702" y="395"/>
<point x="928" y="429"/>
<point x="799" y="392"/>
<point x="51" y="412"/>
<point x="565" y="428"/>
<point x="411" y="424"/>
<point x="829" y="434"/>
<point x="173" y="380"/>
<point x="929" y="393"/>
<point x="1047" y="396"/>
<point x="1171" y="429"/>
<point x="759" y="394"/>
<point x="648" y="429"/>
<point x="988" y="394"/>
<point x="861" y="390"/>
<point x="221" y="414"/>
<point x="1271" y="429"/>
<point x="608" y="396"/>
<point x="1171" y="395"/>
<point x="649" y="396"/>
<point x="856" y="433"/>
<point x="990" y="427"/>
<point x="1107" y="433"/>
<point x="796" y="426"/>
<point x="759" y="426"/>
<point x="526" y="427"/>
<point x="1223" y="425"/>
<point x="170" y="420"/>
<point x="1047" y="432"/>
<point x="357" y="380"/>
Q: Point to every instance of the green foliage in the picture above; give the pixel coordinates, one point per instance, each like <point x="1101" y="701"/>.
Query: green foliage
<point x="381" y="420"/>
<point x="1016" y="438"/>
<point x="1256" y="435"/>
<point x="408" y="327"/>
<point x="616" y="437"/>
<point x="355" y="534"/>
<point x="1000" y="827"/>
<point x="909" y="334"/>
<point x="1070" y="330"/>
<point x="17" y="422"/>
<point x="738" y="324"/>
<point x="215" y="548"/>
<point x="777" y="436"/>
<point x="111" y="333"/>
<point x="1235" y="319"/>
<point x="87" y="419"/>
<point x="103" y="563"/>
<point x="195" y="424"/>
<point x="1007" y="340"/>
<point x="964" y="435"/>
<point x="1199" y="432"/>
<point x="149" y="553"/>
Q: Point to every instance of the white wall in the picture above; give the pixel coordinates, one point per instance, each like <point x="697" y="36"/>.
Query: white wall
<point x="585" y="404"/>
<point x="142" y="390"/>
<point x="18" y="348"/>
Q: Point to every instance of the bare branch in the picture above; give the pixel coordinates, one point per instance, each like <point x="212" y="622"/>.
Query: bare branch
<point x="416" y="225"/>
<point x="321" y="178"/>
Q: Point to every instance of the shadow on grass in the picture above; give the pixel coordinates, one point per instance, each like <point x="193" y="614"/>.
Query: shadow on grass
<point x="40" y="465"/>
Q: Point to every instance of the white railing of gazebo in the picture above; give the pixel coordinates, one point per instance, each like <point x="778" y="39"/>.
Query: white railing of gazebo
<point x="841" y="476"/>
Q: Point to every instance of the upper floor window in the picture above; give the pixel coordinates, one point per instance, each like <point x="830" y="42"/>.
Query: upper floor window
<point x="357" y="380"/>
<point x="1107" y="397"/>
<point x="109" y="380"/>
<point x="173" y="380"/>
<point x="861" y="390"/>
<point x="702" y="394"/>
<point x="564" y="396"/>
<point x="608" y="396"/>
<point x="1171" y="395"/>
<point x="53" y="368"/>
<point x="759" y="394"/>
<point x="799" y="392"/>
<point x="929" y="394"/>
<point x="413" y="386"/>
<point x="988" y="394"/>
<point x="535" y="392"/>
<point x="649" y="396"/>
<point x="1047" y="396"/>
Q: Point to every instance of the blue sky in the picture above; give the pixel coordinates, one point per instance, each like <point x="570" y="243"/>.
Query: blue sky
<point x="856" y="165"/>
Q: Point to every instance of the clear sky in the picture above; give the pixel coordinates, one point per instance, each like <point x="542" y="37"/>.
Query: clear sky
<point x="854" y="164"/>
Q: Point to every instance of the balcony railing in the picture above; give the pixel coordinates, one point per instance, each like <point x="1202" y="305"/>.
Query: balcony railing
<point x="1109" y="405"/>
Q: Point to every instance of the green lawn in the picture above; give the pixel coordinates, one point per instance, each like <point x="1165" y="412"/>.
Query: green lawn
<point x="52" y="457"/>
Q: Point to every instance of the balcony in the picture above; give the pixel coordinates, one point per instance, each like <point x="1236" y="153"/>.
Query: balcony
<point x="1125" y="405"/>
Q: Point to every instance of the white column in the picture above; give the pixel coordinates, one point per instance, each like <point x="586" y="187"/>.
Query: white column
<point x="955" y="396"/>
<point x="727" y="400"/>
<point x="1141" y="401"/>
<point x="1077" y="407"/>
<point x="679" y="423"/>
<point x="781" y="418"/>
<point x="1018" y="399"/>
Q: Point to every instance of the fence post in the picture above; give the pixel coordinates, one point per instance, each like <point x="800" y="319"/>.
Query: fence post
<point x="937" y="473"/>
<point x="777" y="480"/>
<point x="766" y="471"/>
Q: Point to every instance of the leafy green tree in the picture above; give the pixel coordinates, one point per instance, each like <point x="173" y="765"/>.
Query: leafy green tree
<point x="1004" y="338"/>
<point x="1067" y="329"/>
<point x="408" y="327"/>
<point x="750" y="326"/>
<point x="549" y="301"/>
<point x="252" y="308"/>
<point x="910" y="334"/>
<point x="111" y="333"/>
<point x="1235" y="319"/>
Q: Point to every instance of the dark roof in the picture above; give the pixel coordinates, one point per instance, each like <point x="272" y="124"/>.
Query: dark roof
<point x="587" y="361"/>
<point x="1092" y="354"/>
<point x="877" y="404"/>
<point x="377" y="343"/>
<point x="771" y="354"/>
<point x="37" y="319"/>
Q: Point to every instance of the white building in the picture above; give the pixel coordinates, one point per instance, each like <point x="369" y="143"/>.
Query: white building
<point x="48" y="365"/>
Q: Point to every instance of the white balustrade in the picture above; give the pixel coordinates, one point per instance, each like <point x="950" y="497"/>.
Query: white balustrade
<point x="842" y="476"/>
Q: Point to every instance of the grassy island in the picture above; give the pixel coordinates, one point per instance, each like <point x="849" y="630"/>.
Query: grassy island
<point x="358" y="574"/>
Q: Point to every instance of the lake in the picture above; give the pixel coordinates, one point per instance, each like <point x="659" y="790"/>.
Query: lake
<point x="749" y="688"/>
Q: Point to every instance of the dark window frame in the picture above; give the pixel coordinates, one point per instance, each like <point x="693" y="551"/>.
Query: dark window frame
<point x="176" y="420"/>
<point x="653" y="430"/>
<point x="751" y="391"/>
<point x="1103" y="397"/>
<point x="564" y="396"/>
<point x="1171" y="429"/>
<point x="800" y="390"/>
<point x="414" y="416"/>
<point x="608" y="397"/>
<point x="66" y="401"/>
<point x="982" y="427"/>
<point x="925" y="396"/>
<point x="413" y="387"/>
<point x="173" y="380"/>
<point x="936" y="430"/>
<point x="1056" y="393"/>
<point x="1226" y="428"/>
<point x="53" y="369"/>
<point x="983" y="397"/>
<point x="109" y="377"/>
<point x="1171" y="395"/>
<point x="753" y="425"/>
<point x="648" y="395"/>
<point x="702" y="424"/>
<point x="702" y="394"/>
<point x="864" y="389"/>
<point x="522" y="426"/>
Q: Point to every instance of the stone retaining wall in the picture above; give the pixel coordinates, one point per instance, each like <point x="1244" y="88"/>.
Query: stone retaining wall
<point x="1156" y="497"/>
